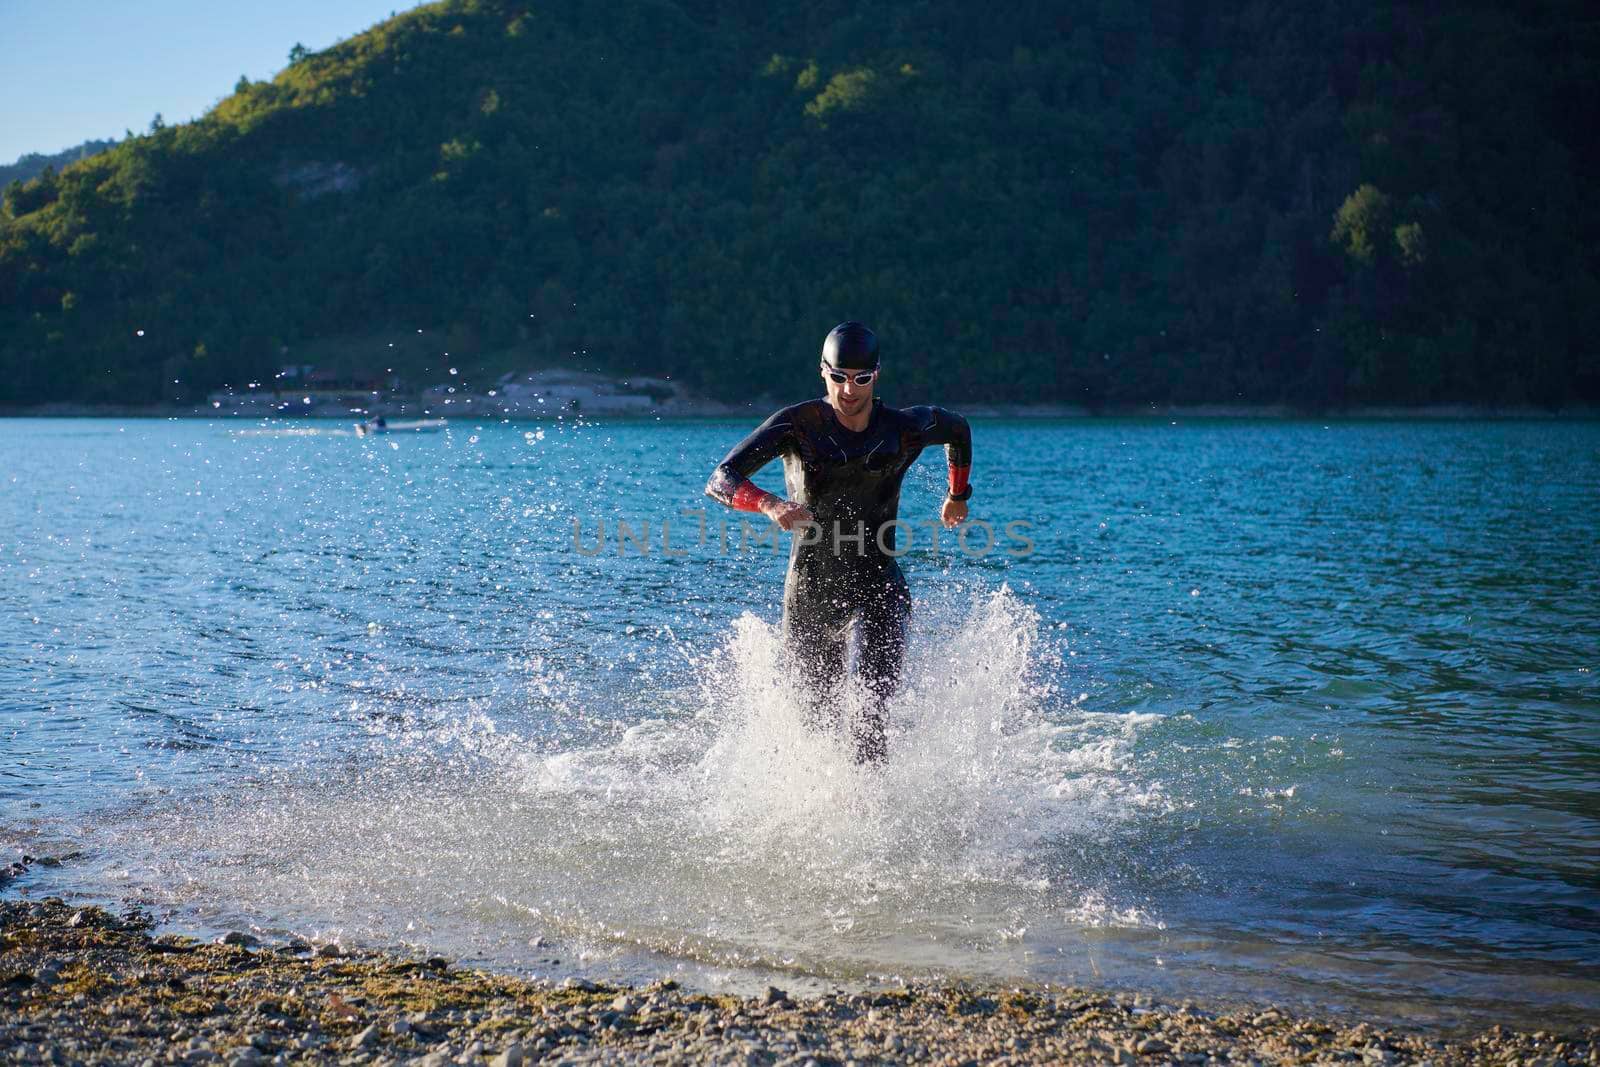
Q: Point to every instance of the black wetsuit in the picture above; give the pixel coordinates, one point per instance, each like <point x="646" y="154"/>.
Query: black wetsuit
<point x="844" y="571"/>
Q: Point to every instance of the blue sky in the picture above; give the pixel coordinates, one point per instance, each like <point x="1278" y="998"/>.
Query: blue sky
<point x="76" y="70"/>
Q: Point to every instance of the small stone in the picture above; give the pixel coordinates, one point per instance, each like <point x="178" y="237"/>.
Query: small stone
<point x="244" y="1056"/>
<point x="473" y="1051"/>
<point x="400" y="1026"/>
<point x="623" y="1004"/>
<point x="581" y="984"/>
<point x="238" y="937"/>
<point x="511" y="1057"/>
<point x="1153" y="1045"/>
<point x="262" y="1042"/>
<point x="365" y="1039"/>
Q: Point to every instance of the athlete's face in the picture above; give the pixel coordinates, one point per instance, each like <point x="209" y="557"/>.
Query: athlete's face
<point x="847" y="397"/>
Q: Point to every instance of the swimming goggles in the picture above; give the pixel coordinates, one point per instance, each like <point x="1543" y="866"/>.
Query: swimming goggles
<point x="839" y="377"/>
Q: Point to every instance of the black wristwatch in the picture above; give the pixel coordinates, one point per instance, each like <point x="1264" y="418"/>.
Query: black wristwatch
<point x="964" y="495"/>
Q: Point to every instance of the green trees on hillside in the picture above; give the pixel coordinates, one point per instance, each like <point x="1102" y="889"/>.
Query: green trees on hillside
<point x="1079" y="202"/>
<point x="33" y="164"/>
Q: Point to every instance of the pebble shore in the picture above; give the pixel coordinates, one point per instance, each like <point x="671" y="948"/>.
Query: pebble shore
<point x="83" y="985"/>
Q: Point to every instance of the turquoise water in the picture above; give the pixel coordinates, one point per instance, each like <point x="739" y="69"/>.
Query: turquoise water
<point x="1280" y="711"/>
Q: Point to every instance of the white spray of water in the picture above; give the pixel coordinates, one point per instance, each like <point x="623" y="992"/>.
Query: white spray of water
<point x="726" y="830"/>
<point x="801" y="853"/>
<point x="960" y="795"/>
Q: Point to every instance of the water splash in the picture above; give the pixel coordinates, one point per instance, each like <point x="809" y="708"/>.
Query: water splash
<point x="721" y="832"/>
<point x="977" y="782"/>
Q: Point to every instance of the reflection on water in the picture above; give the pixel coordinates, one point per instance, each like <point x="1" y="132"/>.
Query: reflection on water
<point x="1274" y="710"/>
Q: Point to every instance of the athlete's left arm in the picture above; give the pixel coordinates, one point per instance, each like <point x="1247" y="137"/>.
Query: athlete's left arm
<point x="941" y="427"/>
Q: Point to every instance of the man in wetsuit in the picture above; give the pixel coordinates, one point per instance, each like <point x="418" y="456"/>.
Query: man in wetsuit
<point x="844" y="457"/>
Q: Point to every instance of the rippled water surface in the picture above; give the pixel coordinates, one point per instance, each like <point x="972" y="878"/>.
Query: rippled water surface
<point x="1274" y="710"/>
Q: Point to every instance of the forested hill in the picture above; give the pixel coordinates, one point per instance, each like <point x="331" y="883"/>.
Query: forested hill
<point x="1317" y="202"/>
<point x="33" y="164"/>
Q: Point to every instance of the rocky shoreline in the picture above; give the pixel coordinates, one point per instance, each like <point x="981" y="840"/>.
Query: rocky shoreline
<point x="82" y="985"/>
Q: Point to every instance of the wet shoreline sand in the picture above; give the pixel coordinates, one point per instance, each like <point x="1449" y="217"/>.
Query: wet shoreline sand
<point x="83" y="985"/>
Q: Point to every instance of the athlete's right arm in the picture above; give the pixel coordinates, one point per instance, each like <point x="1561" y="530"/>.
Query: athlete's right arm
<point x="730" y="483"/>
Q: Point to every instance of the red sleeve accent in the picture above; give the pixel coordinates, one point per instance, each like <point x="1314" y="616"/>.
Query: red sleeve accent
<point x="958" y="478"/>
<point x="749" y="497"/>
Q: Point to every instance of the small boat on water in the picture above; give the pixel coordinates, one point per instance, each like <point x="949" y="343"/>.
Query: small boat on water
<point x="383" y="425"/>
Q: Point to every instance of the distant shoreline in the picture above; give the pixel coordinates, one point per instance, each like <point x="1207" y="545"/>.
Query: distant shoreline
<point x="711" y="410"/>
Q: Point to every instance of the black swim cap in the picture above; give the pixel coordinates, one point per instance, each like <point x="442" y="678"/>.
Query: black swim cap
<point x="852" y="345"/>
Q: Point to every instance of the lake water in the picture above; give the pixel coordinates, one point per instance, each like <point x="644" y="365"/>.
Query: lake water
<point x="1278" y="711"/>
